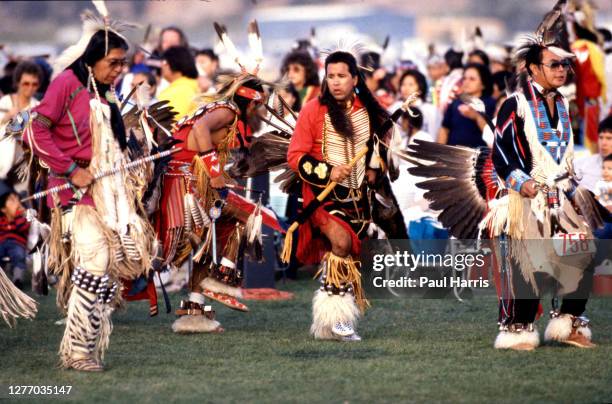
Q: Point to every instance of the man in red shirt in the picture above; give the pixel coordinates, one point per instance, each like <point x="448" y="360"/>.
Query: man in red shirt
<point x="331" y="130"/>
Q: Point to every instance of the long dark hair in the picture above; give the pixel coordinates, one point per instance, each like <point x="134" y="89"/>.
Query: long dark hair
<point x="420" y="79"/>
<point x="243" y="104"/>
<point x="485" y="77"/>
<point x="311" y="75"/>
<point x="95" y="52"/>
<point x="339" y="119"/>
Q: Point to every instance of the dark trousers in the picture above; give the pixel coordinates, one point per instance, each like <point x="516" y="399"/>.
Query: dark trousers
<point x="523" y="308"/>
<point x="16" y="253"/>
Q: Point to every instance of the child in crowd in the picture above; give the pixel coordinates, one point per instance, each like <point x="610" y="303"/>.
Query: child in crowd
<point x="13" y="232"/>
<point x="603" y="187"/>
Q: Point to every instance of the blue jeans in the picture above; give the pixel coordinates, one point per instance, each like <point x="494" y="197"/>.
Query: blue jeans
<point x="17" y="255"/>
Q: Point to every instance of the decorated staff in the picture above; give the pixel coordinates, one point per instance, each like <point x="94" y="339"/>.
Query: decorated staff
<point x="111" y="171"/>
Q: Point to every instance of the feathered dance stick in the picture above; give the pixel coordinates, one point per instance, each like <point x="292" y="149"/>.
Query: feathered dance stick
<point x="282" y="130"/>
<point x="105" y="173"/>
<point x="286" y="105"/>
<point x="278" y="116"/>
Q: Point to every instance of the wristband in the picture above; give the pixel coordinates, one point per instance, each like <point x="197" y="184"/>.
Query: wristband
<point x="212" y="163"/>
<point x="71" y="169"/>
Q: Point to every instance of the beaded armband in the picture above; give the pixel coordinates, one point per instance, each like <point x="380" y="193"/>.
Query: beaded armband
<point x="212" y="163"/>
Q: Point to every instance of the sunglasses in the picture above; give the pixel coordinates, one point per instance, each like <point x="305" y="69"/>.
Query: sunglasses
<point x="565" y="64"/>
<point x="114" y="63"/>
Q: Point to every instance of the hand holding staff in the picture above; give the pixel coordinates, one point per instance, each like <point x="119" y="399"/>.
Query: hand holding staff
<point x="105" y="173"/>
<point x="312" y="206"/>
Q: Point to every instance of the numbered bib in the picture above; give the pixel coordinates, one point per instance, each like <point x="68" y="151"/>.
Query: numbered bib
<point x="573" y="244"/>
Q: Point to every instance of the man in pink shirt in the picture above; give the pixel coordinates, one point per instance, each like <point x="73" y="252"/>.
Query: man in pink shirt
<point x="97" y="237"/>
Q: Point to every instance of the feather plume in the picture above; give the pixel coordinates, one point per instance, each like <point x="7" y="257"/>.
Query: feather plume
<point x="39" y="277"/>
<point x="267" y="152"/>
<point x="286" y="106"/>
<point x="278" y="116"/>
<point x="385" y="44"/>
<point x="393" y="158"/>
<point x="287" y="180"/>
<point x="227" y="42"/>
<point x="551" y="32"/>
<point x="255" y="44"/>
<point x="91" y="24"/>
<point x="544" y="30"/>
<point x="478" y="39"/>
<point x="354" y="47"/>
<point x="100" y="5"/>
<point x="143" y="95"/>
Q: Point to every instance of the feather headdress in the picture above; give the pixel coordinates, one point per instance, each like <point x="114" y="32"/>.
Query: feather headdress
<point x="92" y="23"/>
<point x="354" y="47"/>
<point x="234" y="84"/>
<point x="551" y="34"/>
<point x="255" y="45"/>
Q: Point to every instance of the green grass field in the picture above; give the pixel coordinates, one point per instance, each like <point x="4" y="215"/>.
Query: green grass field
<point x="413" y="350"/>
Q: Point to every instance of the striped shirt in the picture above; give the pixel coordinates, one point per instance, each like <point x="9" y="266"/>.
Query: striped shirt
<point x="16" y="229"/>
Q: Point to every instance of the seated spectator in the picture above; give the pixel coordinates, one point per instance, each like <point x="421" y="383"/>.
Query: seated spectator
<point x="603" y="193"/>
<point x="139" y="73"/>
<point x="413" y="81"/>
<point x="462" y="125"/>
<point x="145" y="75"/>
<point x="179" y="69"/>
<point x="27" y="77"/>
<point x="299" y="68"/>
<point x="207" y="63"/>
<point x="603" y="187"/>
<point x="589" y="168"/>
<point x="13" y="232"/>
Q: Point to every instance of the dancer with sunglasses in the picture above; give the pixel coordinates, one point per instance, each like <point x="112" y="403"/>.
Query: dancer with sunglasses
<point x="533" y="150"/>
<point x="97" y="235"/>
<point x="530" y="205"/>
